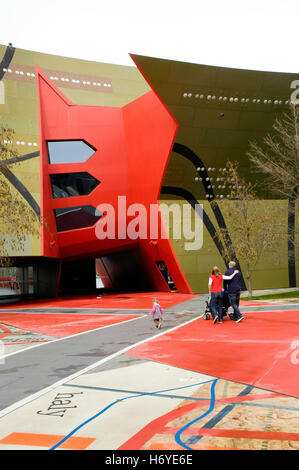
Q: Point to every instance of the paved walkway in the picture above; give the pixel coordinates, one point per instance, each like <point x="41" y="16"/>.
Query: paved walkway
<point x="34" y="369"/>
<point x="88" y="391"/>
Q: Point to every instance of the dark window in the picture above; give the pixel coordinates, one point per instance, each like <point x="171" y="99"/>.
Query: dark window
<point x="71" y="218"/>
<point x="72" y="184"/>
<point x="69" y="151"/>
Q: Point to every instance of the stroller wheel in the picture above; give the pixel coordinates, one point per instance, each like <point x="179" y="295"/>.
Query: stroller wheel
<point x="206" y="316"/>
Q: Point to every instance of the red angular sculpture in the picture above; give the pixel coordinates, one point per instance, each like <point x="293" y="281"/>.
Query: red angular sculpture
<point x="132" y="146"/>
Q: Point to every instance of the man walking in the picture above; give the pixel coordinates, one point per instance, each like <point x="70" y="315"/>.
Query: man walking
<point x="234" y="290"/>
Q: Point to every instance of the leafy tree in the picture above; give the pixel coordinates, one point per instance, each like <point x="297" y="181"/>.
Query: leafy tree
<point x="253" y="228"/>
<point x="17" y="219"/>
<point x="278" y="161"/>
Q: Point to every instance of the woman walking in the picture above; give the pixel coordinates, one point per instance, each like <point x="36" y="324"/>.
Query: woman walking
<point x="216" y="292"/>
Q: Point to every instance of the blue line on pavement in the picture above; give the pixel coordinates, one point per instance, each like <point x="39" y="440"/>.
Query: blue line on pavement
<point x="219" y="416"/>
<point x="118" y="401"/>
<point x="212" y="404"/>
<point x="243" y="403"/>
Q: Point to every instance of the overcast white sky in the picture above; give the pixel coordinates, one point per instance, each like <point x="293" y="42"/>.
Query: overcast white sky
<point x="251" y="34"/>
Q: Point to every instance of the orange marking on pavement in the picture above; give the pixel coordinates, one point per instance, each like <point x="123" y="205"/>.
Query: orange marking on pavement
<point x="61" y="325"/>
<point x="5" y="335"/>
<point x="46" y="440"/>
<point x="242" y="398"/>
<point x="236" y="433"/>
<point x="6" y="331"/>
<point x="130" y="300"/>
<point x="145" y="434"/>
<point x="158" y="425"/>
<point x="172" y="446"/>
<point x="27" y="342"/>
<point x="256" y="351"/>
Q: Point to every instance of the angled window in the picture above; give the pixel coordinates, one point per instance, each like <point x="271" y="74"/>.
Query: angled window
<point x="69" y="151"/>
<point x="72" y="184"/>
<point x="71" y="218"/>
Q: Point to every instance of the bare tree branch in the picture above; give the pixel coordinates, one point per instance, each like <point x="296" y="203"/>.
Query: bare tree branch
<point x="254" y="228"/>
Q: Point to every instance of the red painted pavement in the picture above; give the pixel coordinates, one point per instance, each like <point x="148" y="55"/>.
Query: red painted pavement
<point x="119" y="301"/>
<point x="61" y="325"/>
<point x="236" y="433"/>
<point x="253" y="303"/>
<point x="260" y="350"/>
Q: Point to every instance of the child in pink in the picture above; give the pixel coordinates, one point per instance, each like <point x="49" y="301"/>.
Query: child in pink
<point x="157" y="313"/>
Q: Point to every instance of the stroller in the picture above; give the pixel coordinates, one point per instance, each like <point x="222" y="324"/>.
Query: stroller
<point x="225" y="307"/>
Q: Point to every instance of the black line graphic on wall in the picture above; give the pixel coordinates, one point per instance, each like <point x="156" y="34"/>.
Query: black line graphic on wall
<point x="183" y="193"/>
<point x="187" y="153"/>
<point x="5" y="62"/>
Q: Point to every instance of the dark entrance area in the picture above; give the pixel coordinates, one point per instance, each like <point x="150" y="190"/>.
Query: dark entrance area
<point x="118" y="272"/>
<point x="126" y="272"/>
<point x="77" y="277"/>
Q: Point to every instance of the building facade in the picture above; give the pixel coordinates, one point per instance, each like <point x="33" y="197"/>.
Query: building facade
<point x="89" y="133"/>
